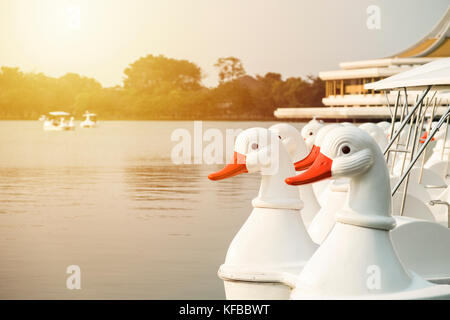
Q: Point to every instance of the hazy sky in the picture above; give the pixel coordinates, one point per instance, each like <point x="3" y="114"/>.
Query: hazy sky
<point x="99" y="38"/>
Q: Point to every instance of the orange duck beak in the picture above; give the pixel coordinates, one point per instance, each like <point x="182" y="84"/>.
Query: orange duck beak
<point x="424" y="137"/>
<point x="232" y="169"/>
<point x="319" y="170"/>
<point x="306" y="162"/>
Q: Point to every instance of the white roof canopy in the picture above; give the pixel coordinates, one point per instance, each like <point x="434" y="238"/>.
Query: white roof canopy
<point x="436" y="73"/>
<point x="59" y="113"/>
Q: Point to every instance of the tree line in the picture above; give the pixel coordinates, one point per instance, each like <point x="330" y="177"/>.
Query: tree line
<point x="158" y="88"/>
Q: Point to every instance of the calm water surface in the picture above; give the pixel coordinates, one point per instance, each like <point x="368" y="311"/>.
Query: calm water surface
<point x="111" y="201"/>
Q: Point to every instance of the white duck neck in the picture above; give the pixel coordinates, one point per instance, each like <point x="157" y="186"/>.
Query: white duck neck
<point x="274" y="192"/>
<point x="369" y="198"/>
<point x="308" y="193"/>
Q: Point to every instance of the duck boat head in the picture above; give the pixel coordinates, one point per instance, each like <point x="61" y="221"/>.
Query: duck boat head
<point x="349" y="152"/>
<point x="260" y="150"/>
<point x="306" y="162"/>
<point x="377" y="133"/>
<point x="292" y="140"/>
<point x="310" y="130"/>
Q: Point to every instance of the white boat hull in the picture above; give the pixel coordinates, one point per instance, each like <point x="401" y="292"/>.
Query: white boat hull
<point x="59" y="127"/>
<point x="88" y="124"/>
<point x="242" y="290"/>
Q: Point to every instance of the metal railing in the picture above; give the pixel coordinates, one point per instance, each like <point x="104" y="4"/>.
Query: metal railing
<point x="412" y="122"/>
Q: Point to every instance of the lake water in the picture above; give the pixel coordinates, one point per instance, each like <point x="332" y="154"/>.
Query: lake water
<point x="111" y="201"/>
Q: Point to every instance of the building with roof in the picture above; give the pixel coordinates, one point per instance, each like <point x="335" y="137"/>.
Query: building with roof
<point x="345" y="94"/>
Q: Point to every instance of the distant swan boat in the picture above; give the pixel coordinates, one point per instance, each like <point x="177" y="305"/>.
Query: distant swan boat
<point x="55" y="121"/>
<point x="90" y="120"/>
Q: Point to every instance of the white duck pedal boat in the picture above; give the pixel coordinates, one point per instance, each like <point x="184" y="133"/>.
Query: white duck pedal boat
<point x="273" y="245"/>
<point x="418" y="195"/>
<point x="358" y="260"/>
<point x="55" y="121"/>
<point x="438" y="161"/>
<point x="292" y="140"/>
<point x="331" y="194"/>
<point x="317" y="139"/>
<point x="424" y="184"/>
<point x="90" y="120"/>
<point x="377" y="133"/>
<point x="384" y="125"/>
<point x="417" y="200"/>
<point x="310" y="130"/>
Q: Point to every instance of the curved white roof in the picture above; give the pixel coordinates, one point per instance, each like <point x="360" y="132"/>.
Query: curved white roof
<point x="432" y="41"/>
<point x="436" y="73"/>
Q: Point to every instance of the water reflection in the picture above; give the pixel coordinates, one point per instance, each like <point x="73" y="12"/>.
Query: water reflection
<point x="163" y="190"/>
<point x="113" y="203"/>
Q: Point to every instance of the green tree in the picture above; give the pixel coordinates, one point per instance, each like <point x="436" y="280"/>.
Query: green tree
<point x="156" y="72"/>
<point x="11" y="77"/>
<point x="156" y="87"/>
<point x="230" y="68"/>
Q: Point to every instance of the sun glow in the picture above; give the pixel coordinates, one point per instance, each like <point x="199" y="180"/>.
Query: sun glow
<point x="93" y="38"/>
<point x="59" y="36"/>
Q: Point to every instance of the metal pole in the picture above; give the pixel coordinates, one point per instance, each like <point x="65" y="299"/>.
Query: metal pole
<point x="408" y="117"/>
<point x="425" y="144"/>
<point x="445" y="142"/>
<point x="406" y="100"/>
<point x="388" y="103"/>
<point x="397" y="141"/>
<point x="445" y="146"/>
<point x="405" y="190"/>
<point x="428" y="130"/>
<point x="408" y="139"/>
<point x="395" y="113"/>
<point x="393" y="122"/>
<point x="435" y="202"/>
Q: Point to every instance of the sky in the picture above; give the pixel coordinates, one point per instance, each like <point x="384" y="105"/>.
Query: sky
<point x="100" y="38"/>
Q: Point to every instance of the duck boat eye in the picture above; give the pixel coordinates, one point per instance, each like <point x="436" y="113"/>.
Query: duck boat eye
<point x="254" y="146"/>
<point x="345" y="149"/>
